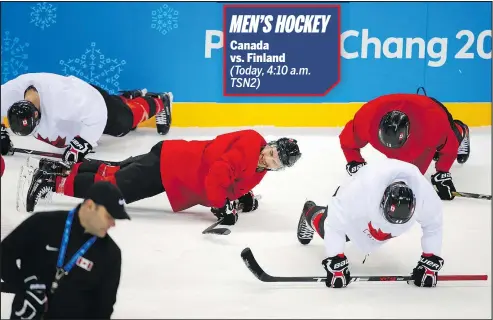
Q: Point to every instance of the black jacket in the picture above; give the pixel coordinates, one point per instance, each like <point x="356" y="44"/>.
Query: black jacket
<point x="81" y="294"/>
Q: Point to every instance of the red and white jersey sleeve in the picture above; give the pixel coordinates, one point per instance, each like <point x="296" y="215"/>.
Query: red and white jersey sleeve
<point x="70" y="107"/>
<point x="355" y="210"/>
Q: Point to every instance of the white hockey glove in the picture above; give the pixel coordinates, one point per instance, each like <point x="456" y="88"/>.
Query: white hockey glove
<point x="76" y="151"/>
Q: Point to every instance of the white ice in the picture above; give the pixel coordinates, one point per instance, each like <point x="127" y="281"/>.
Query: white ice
<point x="171" y="270"/>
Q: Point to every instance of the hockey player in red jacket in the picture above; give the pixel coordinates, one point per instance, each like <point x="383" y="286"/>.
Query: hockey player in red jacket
<point x="218" y="173"/>
<point x="411" y="128"/>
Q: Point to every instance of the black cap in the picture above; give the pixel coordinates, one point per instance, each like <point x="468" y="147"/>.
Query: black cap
<point x="108" y="195"/>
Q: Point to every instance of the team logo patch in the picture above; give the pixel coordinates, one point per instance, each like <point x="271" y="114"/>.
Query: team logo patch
<point x="24" y="123"/>
<point x="379" y="234"/>
<point x="84" y="263"/>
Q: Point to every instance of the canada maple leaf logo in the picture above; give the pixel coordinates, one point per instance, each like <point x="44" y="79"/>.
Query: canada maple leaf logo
<point x="59" y="142"/>
<point x="379" y="234"/>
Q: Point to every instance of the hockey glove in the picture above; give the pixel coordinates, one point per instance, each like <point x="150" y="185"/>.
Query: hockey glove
<point x="353" y="167"/>
<point x="247" y="202"/>
<point x="32" y="302"/>
<point x="442" y="182"/>
<point x="76" y="151"/>
<point x="425" y="273"/>
<point x="338" y="275"/>
<point x="228" y="212"/>
<point x="7" y="145"/>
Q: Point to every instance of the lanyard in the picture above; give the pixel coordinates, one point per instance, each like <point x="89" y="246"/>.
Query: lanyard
<point x="61" y="270"/>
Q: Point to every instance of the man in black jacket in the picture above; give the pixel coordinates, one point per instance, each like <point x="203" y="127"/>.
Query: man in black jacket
<point x="69" y="266"/>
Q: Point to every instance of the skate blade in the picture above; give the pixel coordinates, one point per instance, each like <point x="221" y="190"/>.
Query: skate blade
<point x="25" y="178"/>
<point x="32" y="162"/>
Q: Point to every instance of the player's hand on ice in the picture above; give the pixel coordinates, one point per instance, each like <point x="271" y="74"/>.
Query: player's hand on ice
<point x="32" y="302"/>
<point x="353" y="167"/>
<point x="7" y="145"/>
<point x="425" y="273"/>
<point x="228" y="212"/>
<point x="247" y="202"/>
<point x="338" y="275"/>
<point x="76" y="151"/>
<point x="443" y="184"/>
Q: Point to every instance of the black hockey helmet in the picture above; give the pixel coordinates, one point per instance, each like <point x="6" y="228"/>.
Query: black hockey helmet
<point x="398" y="203"/>
<point x="393" y="130"/>
<point x="288" y="151"/>
<point x="23" y="117"/>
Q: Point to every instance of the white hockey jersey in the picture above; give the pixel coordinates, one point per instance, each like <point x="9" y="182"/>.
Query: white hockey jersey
<point x="69" y="107"/>
<point x="355" y="209"/>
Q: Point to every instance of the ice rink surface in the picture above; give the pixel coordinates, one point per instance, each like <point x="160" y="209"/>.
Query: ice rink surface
<point x="171" y="270"/>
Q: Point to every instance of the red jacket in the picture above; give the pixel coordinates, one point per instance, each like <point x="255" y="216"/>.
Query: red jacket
<point x="429" y="130"/>
<point x="208" y="172"/>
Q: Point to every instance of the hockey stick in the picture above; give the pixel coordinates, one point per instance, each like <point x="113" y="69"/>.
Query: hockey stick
<point x="260" y="274"/>
<point x="56" y="155"/>
<point x="472" y="195"/>
<point x="38" y="153"/>
<point x="223" y="231"/>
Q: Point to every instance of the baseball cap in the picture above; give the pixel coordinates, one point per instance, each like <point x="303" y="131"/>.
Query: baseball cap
<point x="108" y="195"/>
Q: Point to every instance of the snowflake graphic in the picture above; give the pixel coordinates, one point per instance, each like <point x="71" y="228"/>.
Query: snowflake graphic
<point x="14" y="57"/>
<point x="43" y="15"/>
<point x="164" y="19"/>
<point x="93" y="67"/>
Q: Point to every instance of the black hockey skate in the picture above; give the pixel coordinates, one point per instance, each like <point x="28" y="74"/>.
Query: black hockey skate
<point x="49" y="166"/>
<point x="42" y="186"/>
<point x="465" y="145"/>
<point x="305" y="231"/>
<point x="163" y="118"/>
<point x="133" y="94"/>
<point x="58" y="168"/>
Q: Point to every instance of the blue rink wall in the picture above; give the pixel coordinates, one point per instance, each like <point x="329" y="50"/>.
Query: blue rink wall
<point x="178" y="47"/>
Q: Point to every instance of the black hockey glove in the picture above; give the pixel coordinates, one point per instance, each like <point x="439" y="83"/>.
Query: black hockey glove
<point x="443" y="184"/>
<point x="247" y="202"/>
<point x="338" y="275"/>
<point x="32" y="302"/>
<point x="353" y="167"/>
<point x="426" y="272"/>
<point x="7" y="145"/>
<point x="228" y="212"/>
<point x="76" y="151"/>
